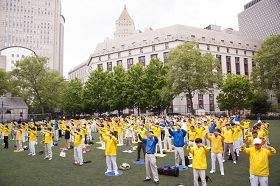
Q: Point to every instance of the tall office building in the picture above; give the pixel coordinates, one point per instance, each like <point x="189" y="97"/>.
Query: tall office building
<point x="34" y="25"/>
<point x="124" y="25"/>
<point x="260" y="19"/>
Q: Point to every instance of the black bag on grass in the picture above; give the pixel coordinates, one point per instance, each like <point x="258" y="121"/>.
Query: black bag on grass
<point x="170" y="172"/>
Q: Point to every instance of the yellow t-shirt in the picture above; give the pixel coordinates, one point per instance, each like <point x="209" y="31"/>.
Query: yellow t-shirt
<point x="216" y="143"/>
<point x="110" y="145"/>
<point x="32" y="135"/>
<point x="259" y="163"/>
<point x="156" y="131"/>
<point x="192" y="135"/>
<point x="6" y="131"/>
<point x="228" y="134"/>
<point x="199" y="157"/>
<point x="199" y="132"/>
<point x="142" y="133"/>
<point x="78" y="140"/>
<point x="48" y="137"/>
<point x="19" y="134"/>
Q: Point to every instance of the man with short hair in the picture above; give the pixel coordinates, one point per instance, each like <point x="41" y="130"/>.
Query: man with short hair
<point x="150" y="158"/>
<point x="259" y="162"/>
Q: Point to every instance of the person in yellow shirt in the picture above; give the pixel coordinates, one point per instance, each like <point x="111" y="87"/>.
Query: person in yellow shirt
<point x="199" y="130"/>
<point x="111" y="152"/>
<point x="199" y="163"/>
<point x="216" y="150"/>
<point x="32" y="140"/>
<point x="5" y="131"/>
<point x="237" y="137"/>
<point x="228" y="142"/>
<point x="120" y="133"/>
<point x="259" y="162"/>
<point x="78" y="147"/>
<point x="19" y="139"/>
<point x="11" y="129"/>
<point x="141" y="145"/>
<point x="48" y="143"/>
<point x="157" y="132"/>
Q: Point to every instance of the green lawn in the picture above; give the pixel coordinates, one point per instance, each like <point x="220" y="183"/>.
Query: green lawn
<point x="20" y="169"/>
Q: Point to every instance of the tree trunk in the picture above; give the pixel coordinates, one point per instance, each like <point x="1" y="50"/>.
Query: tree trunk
<point x="189" y="95"/>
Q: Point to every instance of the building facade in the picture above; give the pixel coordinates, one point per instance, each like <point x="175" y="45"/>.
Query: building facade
<point x="233" y="51"/>
<point x="36" y="25"/>
<point x="260" y="19"/>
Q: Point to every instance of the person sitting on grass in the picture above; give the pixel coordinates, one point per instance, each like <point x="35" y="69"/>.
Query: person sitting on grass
<point x="199" y="163"/>
<point x="150" y="158"/>
<point x="259" y="162"/>
<point x="111" y="143"/>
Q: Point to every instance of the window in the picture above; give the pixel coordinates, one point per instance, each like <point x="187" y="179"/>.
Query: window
<point x="253" y="64"/>
<point x="13" y="55"/>
<point x="153" y="48"/>
<point x="218" y="48"/>
<point x="253" y="53"/>
<point x="100" y="66"/>
<point x="129" y="62"/>
<point x="99" y="58"/>
<point x="222" y="41"/>
<point x="193" y="36"/>
<point x="165" y="57"/>
<point x="129" y="52"/>
<point x="245" y="52"/>
<point x="17" y="55"/>
<point x="246" y="69"/>
<point x="228" y="61"/>
<point x="219" y="57"/>
<point x="154" y="56"/>
<point x="236" y="51"/>
<point x="237" y="65"/>
<point x="203" y="38"/>
<point x="227" y="50"/>
<point x="200" y="101"/>
<point x="166" y="46"/>
<point x="231" y="42"/>
<point x="119" y="54"/>
<point x="109" y="66"/>
<point x="211" y="102"/>
<point x="109" y="56"/>
<point x="119" y="62"/>
<point x="141" y="60"/>
<point x="208" y="47"/>
<point x="141" y="50"/>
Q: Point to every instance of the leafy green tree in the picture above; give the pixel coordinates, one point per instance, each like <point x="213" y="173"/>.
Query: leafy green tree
<point x="266" y="73"/>
<point x="118" y="97"/>
<point x="39" y="86"/>
<point x="4" y="82"/>
<point x="191" y="71"/>
<point x="135" y="88"/>
<point x="236" y="93"/>
<point x="97" y="91"/>
<point x="260" y="103"/>
<point x="73" y="97"/>
<point x="154" y="82"/>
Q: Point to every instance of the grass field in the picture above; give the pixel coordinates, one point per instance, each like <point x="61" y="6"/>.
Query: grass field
<point x="20" y="169"/>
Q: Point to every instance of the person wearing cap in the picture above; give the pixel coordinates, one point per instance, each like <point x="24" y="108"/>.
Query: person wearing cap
<point x="150" y="158"/>
<point x="259" y="162"/>
<point x="216" y="150"/>
<point x="179" y="142"/>
<point x="199" y="163"/>
<point x="228" y="142"/>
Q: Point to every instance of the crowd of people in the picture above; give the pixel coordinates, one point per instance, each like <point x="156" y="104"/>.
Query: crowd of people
<point x="154" y="135"/>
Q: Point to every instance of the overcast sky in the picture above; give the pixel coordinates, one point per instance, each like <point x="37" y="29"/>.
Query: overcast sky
<point x="89" y="22"/>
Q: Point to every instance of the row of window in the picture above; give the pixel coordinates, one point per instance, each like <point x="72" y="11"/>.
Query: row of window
<point x="201" y="102"/>
<point x="130" y="62"/>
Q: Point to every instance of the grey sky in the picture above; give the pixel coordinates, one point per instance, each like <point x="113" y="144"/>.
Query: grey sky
<point x="89" y="22"/>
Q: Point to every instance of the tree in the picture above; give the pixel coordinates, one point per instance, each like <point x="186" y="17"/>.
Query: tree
<point x="97" y="91"/>
<point x="118" y="96"/>
<point x="266" y="73"/>
<point x="260" y="103"/>
<point x="73" y="96"/>
<point x="191" y="72"/>
<point x="236" y="93"/>
<point x="4" y="82"/>
<point x="135" y="88"/>
<point x="154" y="82"/>
<point x="40" y="87"/>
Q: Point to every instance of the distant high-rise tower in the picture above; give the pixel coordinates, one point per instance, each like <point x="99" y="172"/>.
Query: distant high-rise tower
<point x="35" y="25"/>
<point x="124" y="25"/>
<point x="260" y="19"/>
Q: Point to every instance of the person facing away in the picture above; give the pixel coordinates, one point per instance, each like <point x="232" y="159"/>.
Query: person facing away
<point x="150" y="158"/>
<point x="259" y="162"/>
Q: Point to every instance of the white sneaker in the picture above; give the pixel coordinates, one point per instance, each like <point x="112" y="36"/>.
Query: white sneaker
<point x="33" y="154"/>
<point x="234" y="162"/>
<point x="190" y="165"/>
<point x="238" y="155"/>
<point x="116" y="173"/>
<point x="125" y="151"/>
<point x="222" y="174"/>
<point x="29" y="154"/>
<point x="224" y="160"/>
<point x="130" y="151"/>
<point x="211" y="172"/>
<point x="107" y="172"/>
<point x="50" y="159"/>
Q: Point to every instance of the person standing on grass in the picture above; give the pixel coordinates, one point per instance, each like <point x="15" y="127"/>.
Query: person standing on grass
<point x="216" y="150"/>
<point x="48" y="143"/>
<point x="199" y="163"/>
<point x="228" y="142"/>
<point x="128" y="138"/>
<point x="150" y="158"/>
<point x="259" y="162"/>
<point x="19" y="139"/>
<point x="179" y="142"/>
<point x="78" y="148"/>
<point x="67" y="132"/>
<point x="157" y="132"/>
<point x="32" y="140"/>
<point x="141" y="145"/>
<point x="111" y="143"/>
<point x="6" y="136"/>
